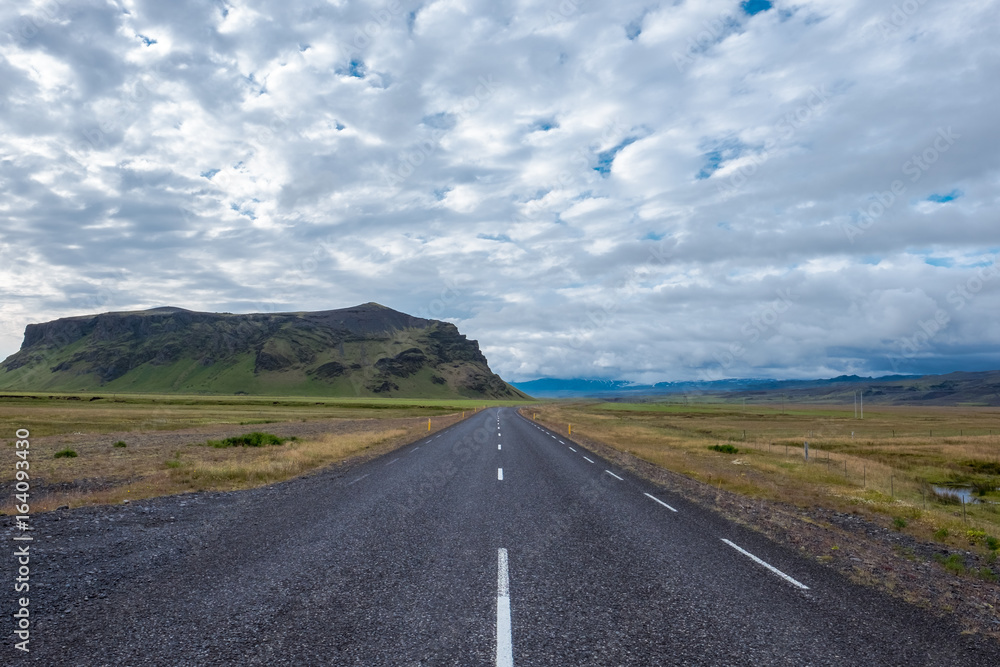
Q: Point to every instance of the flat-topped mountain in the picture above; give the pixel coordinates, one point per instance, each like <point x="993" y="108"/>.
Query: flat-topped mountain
<point x="367" y="350"/>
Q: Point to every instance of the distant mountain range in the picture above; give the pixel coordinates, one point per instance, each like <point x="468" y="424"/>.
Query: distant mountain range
<point x="980" y="388"/>
<point x="367" y="350"/>
<point x="371" y="350"/>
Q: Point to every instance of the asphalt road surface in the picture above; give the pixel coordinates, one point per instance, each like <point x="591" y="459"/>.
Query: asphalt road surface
<point x="493" y="542"/>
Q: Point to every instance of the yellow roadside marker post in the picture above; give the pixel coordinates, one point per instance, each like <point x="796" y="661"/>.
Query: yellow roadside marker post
<point x="569" y="429"/>
<point x="428" y="423"/>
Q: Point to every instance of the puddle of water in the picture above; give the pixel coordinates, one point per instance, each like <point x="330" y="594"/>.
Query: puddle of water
<point x="959" y="493"/>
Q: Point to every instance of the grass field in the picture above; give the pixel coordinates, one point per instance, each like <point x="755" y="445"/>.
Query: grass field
<point x="47" y="414"/>
<point x="136" y="446"/>
<point x="889" y="463"/>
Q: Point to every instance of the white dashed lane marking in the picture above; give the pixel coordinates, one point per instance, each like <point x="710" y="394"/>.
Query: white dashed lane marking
<point x="660" y="501"/>
<point x="505" y="643"/>
<point x="770" y="567"/>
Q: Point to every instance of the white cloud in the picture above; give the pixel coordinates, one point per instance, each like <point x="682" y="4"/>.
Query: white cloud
<point x="583" y="203"/>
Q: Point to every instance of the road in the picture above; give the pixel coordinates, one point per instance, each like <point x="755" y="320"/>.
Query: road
<point x="492" y="542"/>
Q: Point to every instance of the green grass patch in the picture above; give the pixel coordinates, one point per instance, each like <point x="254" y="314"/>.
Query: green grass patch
<point x="986" y="574"/>
<point x="980" y="537"/>
<point x="899" y="522"/>
<point x="982" y="487"/>
<point x="725" y="449"/>
<point x="255" y="439"/>
<point x="976" y="536"/>
<point x="66" y="454"/>
<point x="984" y="467"/>
<point x="120" y="443"/>
<point x="953" y="563"/>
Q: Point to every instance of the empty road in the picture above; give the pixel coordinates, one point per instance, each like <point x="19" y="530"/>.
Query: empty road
<point x="493" y="542"/>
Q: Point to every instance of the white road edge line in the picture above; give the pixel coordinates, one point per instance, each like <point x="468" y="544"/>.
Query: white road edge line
<point x="391" y="462"/>
<point x="505" y="644"/>
<point x="660" y="501"/>
<point x="571" y="449"/>
<point x="561" y="442"/>
<point x="359" y="479"/>
<point x="770" y="567"/>
<point x="586" y="459"/>
<point x="498" y="446"/>
<point x="615" y="476"/>
<point x="499" y="474"/>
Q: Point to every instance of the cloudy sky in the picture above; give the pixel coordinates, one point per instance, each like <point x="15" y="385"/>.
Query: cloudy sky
<point x="632" y="190"/>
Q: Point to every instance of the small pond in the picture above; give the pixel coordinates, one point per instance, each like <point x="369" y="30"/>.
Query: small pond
<point x="960" y="493"/>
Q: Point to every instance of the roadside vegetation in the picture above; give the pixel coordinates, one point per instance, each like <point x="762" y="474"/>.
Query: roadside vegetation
<point x="255" y="439"/>
<point x="74" y="463"/>
<point x="932" y="472"/>
<point x="47" y="414"/>
<point x="207" y="469"/>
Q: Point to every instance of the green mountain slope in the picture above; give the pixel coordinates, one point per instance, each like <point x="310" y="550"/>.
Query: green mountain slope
<point x="368" y="350"/>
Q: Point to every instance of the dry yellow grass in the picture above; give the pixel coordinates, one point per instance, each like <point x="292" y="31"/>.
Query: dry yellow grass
<point x="163" y="465"/>
<point x="165" y="436"/>
<point x="888" y="466"/>
<point x="45" y="414"/>
<point x="220" y="469"/>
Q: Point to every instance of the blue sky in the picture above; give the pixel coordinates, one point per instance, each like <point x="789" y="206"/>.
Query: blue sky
<point x="631" y="190"/>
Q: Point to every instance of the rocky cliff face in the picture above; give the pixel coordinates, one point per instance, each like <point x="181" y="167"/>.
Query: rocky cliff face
<point x="364" y="350"/>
